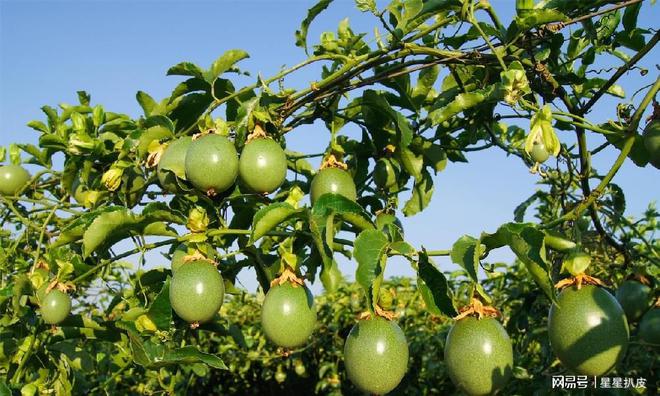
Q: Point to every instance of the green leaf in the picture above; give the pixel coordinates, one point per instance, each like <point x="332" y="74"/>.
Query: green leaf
<point x="422" y="193"/>
<point x="427" y="77"/>
<point x="435" y="156"/>
<point x="160" y="311"/>
<point x="528" y="244"/>
<point x="434" y="288"/>
<point x="465" y="252"/>
<point x="224" y="63"/>
<point x="630" y="15"/>
<point x="462" y="102"/>
<point x="366" y="5"/>
<point x="106" y="227"/>
<point x="189" y="355"/>
<point x="186" y="69"/>
<point x="341" y="206"/>
<point x="14" y="154"/>
<point x="301" y="34"/>
<point x="539" y="16"/>
<point x="147" y="136"/>
<point x="270" y="217"/>
<point x="413" y="163"/>
<point x="38" y="126"/>
<point x="4" y="389"/>
<point x="146" y="102"/>
<point x="519" y="211"/>
<point x="368" y="250"/>
<point x="110" y="227"/>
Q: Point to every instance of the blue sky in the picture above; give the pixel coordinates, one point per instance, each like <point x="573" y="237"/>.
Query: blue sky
<point x="51" y="49"/>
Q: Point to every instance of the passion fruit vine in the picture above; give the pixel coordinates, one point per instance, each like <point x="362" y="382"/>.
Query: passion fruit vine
<point x="376" y="355"/>
<point x="333" y="181"/>
<point x="478" y="355"/>
<point x="12" y="179"/>
<point x="288" y="315"/>
<point x="588" y="330"/>
<point x="55" y="307"/>
<point x="212" y="164"/>
<point x="197" y="291"/>
<point x="262" y="166"/>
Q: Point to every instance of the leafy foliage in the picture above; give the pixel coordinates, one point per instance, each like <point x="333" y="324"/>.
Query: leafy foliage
<point x="442" y="79"/>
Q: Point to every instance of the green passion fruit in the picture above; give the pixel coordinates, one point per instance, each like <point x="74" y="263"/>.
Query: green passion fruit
<point x="172" y="164"/>
<point x="478" y="355"/>
<point x="649" y="327"/>
<point x="12" y="179"/>
<point x="288" y="315"/>
<point x="385" y="173"/>
<point x="333" y="181"/>
<point x="376" y="355"/>
<point x="635" y="299"/>
<point x="262" y="166"/>
<point x="212" y="164"/>
<point x="588" y="330"/>
<point x="651" y="138"/>
<point x="539" y="153"/>
<point x="178" y="256"/>
<point x="55" y="307"/>
<point x="197" y="291"/>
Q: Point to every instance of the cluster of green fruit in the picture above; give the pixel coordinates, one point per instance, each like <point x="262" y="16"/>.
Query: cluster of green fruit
<point x="211" y="164"/>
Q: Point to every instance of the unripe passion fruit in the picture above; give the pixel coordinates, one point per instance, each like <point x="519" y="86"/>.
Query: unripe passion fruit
<point x="172" y="164"/>
<point x="55" y="307"/>
<point x="385" y="173"/>
<point x="539" y="153"/>
<point x="333" y="181"/>
<point x="588" y="330"/>
<point x="649" y="327"/>
<point x="197" y="291"/>
<point x="212" y="164"/>
<point x="288" y="315"/>
<point x="376" y="355"/>
<point x="178" y="256"/>
<point x="652" y="142"/>
<point x="262" y="166"/>
<point x="12" y="179"/>
<point x="635" y="299"/>
<point x="478" y="355"/>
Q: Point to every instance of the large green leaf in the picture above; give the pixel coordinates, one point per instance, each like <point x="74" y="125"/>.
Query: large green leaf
<point x="147" y="103"/>
<point x="186" y="69"/>
<point x="528" y="244"/>
<point x="434" y="288"/>
<point x="460" y="103"/>
<point x="225" y="62"/>
<point x="465" y="253"/>
<point x="422" y="193"/>
<point x="270" y="217"/>
<point x="110" y="227"/>
<point x="160" y="311"/>
<point x="345" y="208"/>
<point x="369" y="248"/>
<point x="301" y="34"/>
